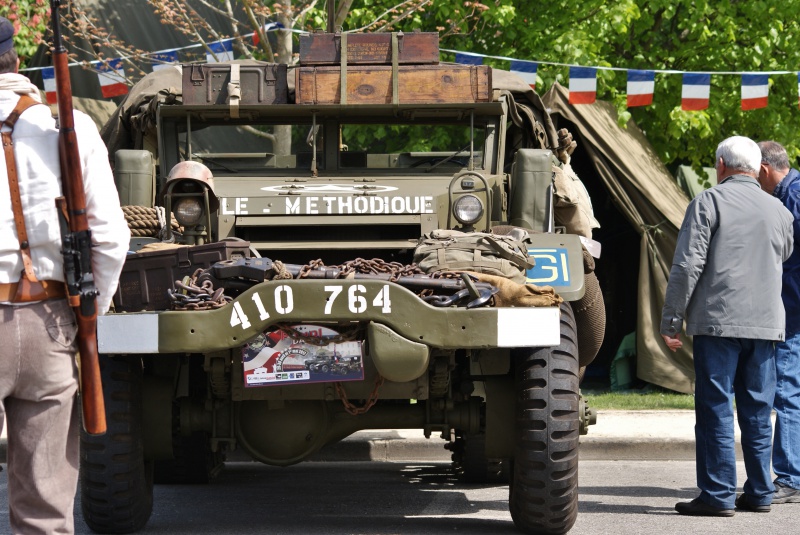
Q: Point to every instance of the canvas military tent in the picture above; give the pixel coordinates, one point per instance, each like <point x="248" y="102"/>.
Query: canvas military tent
<point x="640" y="208"/>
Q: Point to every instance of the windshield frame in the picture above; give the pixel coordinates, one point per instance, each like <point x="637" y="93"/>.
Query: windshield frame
<point x="172" y="119"/>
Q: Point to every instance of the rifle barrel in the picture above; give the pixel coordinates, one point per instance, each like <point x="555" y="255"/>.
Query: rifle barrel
<point x="77" y="254"/>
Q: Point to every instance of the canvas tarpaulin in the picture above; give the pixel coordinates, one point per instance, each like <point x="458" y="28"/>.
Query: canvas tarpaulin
<point x="690" y="182"/>
<point x="646" y="193"/>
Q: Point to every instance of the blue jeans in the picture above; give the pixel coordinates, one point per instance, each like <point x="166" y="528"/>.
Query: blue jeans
<point x="785" y="453"/>
<point x="724" y="368"/>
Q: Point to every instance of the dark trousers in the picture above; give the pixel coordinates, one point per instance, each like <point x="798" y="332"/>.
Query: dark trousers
<point x="745" y="369"/>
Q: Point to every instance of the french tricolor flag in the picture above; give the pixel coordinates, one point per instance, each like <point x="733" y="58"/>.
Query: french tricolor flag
<point x="465" y="58"/>
<point x="162" y="60"/>
<point x="755" y="91"/>
<point x="696" y="91"/>
<point x="268" y="27"/>
<point x="641" y="85"/>
<point x="223" y="50"/>
<point x="582" y="85"/>
<point x="112" y="78"/>
<point x="525" y="70"/>
<point x="49" y="79"/>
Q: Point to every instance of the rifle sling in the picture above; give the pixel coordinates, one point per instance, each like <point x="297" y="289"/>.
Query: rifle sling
<point x="29" y="289"/>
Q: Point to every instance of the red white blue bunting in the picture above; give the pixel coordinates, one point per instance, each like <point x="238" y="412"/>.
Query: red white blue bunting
<point x="582" y="85"/>
<point x="112" y="78"/>
<point x="525" y="70"/>
<point x="695" y="91"/>
<point x="641" y="86"/>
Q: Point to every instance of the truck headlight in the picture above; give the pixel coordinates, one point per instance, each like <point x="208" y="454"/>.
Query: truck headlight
<point x="188" y="211"/>
<point x="468" y="209"/>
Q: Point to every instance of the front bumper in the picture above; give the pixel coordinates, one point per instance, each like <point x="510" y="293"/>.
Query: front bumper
<point x="326" y="302"/>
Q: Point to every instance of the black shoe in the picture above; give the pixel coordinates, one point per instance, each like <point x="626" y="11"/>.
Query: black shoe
<point x="785" y="494"/>
<point x="743" y="503"/>
<point x="697" y="507"/>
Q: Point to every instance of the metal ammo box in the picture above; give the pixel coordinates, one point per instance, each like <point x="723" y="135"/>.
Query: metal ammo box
<point x="146" y="277"/>
<point x="235" y="83"/>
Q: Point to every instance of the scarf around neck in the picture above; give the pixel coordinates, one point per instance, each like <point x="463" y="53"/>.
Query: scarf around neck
<point x="20" y="85"/>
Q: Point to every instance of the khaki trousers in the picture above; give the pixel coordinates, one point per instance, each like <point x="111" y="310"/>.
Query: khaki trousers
<point x="38" y="382"/>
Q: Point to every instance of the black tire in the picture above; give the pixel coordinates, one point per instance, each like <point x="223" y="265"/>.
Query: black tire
<point x="543" y="494"/>
<point x="116" y="484"/>
<point x="324" y="368"/>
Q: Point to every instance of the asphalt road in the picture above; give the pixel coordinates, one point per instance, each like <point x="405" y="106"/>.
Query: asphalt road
<point x="617" y="497"/>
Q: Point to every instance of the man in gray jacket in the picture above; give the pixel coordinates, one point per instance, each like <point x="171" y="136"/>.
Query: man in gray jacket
<point x="725" y="282"/>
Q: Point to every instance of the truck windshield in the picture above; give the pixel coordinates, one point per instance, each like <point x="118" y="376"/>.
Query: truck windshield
<point x="266" y="149"/>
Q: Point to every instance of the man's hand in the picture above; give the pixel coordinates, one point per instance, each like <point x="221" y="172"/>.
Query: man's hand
<point x="566" y="146"/>
<point x="673" y="342"/>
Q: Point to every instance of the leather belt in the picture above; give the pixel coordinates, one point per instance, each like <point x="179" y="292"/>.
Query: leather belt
<point x="52" y="290"/>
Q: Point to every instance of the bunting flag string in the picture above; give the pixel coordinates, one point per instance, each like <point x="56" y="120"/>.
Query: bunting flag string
<point x="112" y="78"/>
<point x="755" y="91"/>
<point x="49" y="79"/>
<point x="220" y="51"/>
<point x="525" y="70"/>
<point x="641" y="86"/>
<point x="695" y="90"/>
<point x="582" y="85"/>
<point x="466" y="58"/>
<point x="162" y="60"/>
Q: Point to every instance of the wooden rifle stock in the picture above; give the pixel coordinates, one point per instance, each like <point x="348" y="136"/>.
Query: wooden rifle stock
<point x="76" y="242"/>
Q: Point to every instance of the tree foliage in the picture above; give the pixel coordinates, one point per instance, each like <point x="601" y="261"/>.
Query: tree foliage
<point x="679" y="35"/>
<point x="29" y="18"/>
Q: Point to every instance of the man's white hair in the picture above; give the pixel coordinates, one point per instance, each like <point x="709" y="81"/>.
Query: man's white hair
<point x="740" y="153"/>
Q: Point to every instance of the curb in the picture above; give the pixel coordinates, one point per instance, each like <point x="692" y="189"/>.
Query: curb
<point x="365" y="446"/>
<point x="618" y="436"/>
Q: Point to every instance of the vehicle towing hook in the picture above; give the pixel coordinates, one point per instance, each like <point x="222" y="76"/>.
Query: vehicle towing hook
<point x="446" y="300"/>
<point x="485" y="294"/>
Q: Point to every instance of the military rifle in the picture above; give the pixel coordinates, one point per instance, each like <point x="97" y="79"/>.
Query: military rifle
<point x="76" y="239"/>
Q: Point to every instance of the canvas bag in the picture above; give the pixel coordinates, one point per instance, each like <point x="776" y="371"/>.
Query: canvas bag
<point x="481" y="252"/>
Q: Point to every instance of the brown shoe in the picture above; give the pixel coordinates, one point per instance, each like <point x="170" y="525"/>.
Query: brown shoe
<point x="698" y="507"/>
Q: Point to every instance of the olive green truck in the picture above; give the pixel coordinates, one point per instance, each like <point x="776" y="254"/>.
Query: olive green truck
<point x="295" y="316"/>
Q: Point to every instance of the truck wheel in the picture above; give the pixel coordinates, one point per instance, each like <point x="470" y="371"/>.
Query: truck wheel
<point x="116" y="484"/>
<point x="543" y="493"/>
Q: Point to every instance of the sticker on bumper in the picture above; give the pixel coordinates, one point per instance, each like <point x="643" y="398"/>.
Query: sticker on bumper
<point x="274" y="357"/>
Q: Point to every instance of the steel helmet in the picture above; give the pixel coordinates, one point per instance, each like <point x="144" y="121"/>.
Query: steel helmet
<point x="197" y="172"/>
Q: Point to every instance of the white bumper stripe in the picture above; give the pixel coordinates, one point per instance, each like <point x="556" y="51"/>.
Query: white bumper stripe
<point x="528" y="327"/>
<point x="127" y="333"/>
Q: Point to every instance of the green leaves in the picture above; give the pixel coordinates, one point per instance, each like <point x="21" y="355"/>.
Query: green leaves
<point x="30" y="19"/>
<point x="682" y="35"/>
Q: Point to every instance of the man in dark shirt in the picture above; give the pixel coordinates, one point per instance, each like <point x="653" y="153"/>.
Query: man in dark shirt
<point x="779" y="179"/>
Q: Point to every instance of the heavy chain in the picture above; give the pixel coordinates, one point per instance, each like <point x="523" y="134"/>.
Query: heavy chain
<point x="395" y="270"/>
<point x="355" y="410"/>
<point x="188" y="295"/>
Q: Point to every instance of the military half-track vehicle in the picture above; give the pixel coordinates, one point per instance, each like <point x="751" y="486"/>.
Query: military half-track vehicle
<point x="303" y="194"/>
